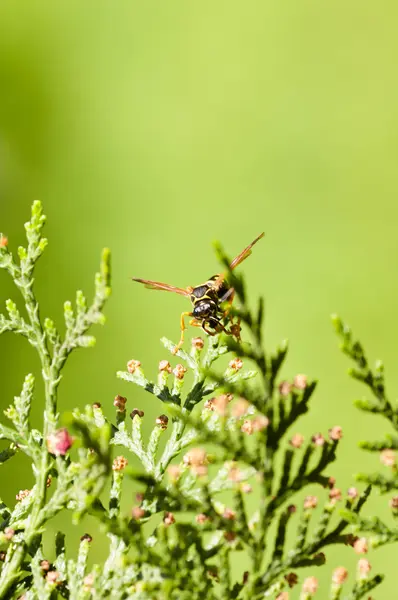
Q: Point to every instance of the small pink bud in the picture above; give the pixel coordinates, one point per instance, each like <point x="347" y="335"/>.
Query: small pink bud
<point x="335" y="495"/>
<point x="335" y="433"/>
<point x="3" y="241"/>
<point x="285" y="388"/>
<point x="137" y="513"/>
<point x="246" y="488"/>
<point x="22" y="494"/>
<point x="388" y="457"/>
<point x="197" y="343"/>
<point x="310" y="585"/>
<point x="260" y="422"/>
<point x="364" y="566"/>
<point x="9" y="533"/>
<point x="394" y="503"/>
<point x="220" y="404"/>
<point x="169" y="519"/>
<point x="179" y="371"/>
<point x="59" y="442"/>
<point x="318" y="439"/>
<point x="310" y="502"/>
<point x="174" y="472"/>
<point x="297" y="440"/>
<point x="234" y="474"/>
<point x="201" y="519"/>
<point x="339" y="575"/>
<point x="119" y="463"/>
<point x="88" y="582"/>
<point x="331" y="482"/>
<point x="236" y="364"/>
<point x="300" y="382"/>
<point x="283" y="596"/>
<point x="45" y="565"/>
<point x="361" y="545"/>
<point x="164" y="365"/>
<point x="247" y="427"/>
<point x="240" y="408"/>
<point x="352" y="493"/>
<point x="133" y="365"/>
<point x="53" y="577"/>
<point x="195" y="456"/>
<point x="229" y="514"/>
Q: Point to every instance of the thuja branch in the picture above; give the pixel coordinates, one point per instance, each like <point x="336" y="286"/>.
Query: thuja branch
<point x="380" y="404"/>
<point x="43" y="446"/>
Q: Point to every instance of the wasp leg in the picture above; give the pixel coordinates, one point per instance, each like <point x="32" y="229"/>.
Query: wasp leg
<point x="212" y="333"/>
<point x="183" y="328"/>
<point x="195" y="323"/>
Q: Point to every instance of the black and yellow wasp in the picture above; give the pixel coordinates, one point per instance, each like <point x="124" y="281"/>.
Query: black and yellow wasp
<point x="207" y="300"/>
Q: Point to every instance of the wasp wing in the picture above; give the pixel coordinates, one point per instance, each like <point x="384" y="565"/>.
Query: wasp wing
<point x="245" y="253"/>
<point x="157" y="285"/>
<point x="237" y="260"/>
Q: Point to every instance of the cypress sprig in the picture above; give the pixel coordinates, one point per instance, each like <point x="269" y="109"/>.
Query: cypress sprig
<point x="215" y="441"/>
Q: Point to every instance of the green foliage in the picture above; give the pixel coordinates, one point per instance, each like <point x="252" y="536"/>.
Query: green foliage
<point x="203" y="457"/>
<point x="379" y="404"/>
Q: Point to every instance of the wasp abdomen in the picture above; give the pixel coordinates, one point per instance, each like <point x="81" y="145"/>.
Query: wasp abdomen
<point x="204" y="308"/>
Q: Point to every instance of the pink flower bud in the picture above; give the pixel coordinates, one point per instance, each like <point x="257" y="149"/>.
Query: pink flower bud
<point x="335" y="495"/>
<point x="318" y="439"/>
<point x="335" y="433"/>
<point x="168" y="519"/>
<point x="197" y="343"/>
<point x="164" y="365"/>
<point x="310" y="585"/>
<point x="352" y="493"/>
<point x="285" y="388"/>
<point x="297" y="440"/>
<point x="236" y="364"/>
<point x="364" y="566"/>
<point x="133" y="365"/>
<point x="240" y="408"/>
<point x="137" y="513"/>
<point x="59" y="442"/>
<point x="174" y="472"/>
<point x="394" y="503"/>
<point x="119" y="463"/>
<point x="310" y="502"/>
<point x="339" y="575"/>
<point x="300" y="382"/>
<point x="201" y="519"/>
<point x="388" y="457"/>
<point x="361" y="545"/>
<point x="179" y="371"/>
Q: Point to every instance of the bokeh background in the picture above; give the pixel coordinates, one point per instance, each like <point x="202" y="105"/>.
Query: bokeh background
<point x="155" y="128"/>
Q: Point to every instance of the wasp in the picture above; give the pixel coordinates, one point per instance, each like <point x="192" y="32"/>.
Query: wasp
<point x="207" y="300"/>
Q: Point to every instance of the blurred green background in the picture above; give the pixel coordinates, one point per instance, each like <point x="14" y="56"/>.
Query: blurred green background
<point x="155" y="128"/>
